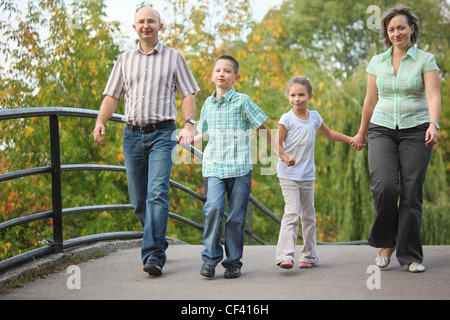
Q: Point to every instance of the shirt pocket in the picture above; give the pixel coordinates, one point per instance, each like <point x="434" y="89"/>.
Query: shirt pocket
<point x="415" y="83"/>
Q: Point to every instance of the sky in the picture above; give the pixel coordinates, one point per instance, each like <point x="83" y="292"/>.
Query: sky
<point x="119" y="10"/>
<point x="124" y="11"/>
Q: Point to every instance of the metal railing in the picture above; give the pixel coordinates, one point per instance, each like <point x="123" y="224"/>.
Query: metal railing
<point x="58" y="244"/>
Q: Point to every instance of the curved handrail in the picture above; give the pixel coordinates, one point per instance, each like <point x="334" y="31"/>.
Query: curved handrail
<point x="85" y="113"/>
<point x="56" y="111"/>
<point x="19" y="113"/>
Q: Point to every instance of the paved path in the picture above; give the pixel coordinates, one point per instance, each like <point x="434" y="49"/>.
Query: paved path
<point x="341" y="274"/>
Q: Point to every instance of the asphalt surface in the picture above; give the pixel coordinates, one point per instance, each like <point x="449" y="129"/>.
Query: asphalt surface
<point x="343" y="273"/>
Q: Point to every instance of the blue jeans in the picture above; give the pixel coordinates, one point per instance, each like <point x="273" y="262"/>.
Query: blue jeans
<point x="148" y="162"/>
<point x="237" y="191"/>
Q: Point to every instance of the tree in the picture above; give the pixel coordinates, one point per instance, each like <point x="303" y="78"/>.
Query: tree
<point x="59" y="59"/>
<point x="59" y="55"/>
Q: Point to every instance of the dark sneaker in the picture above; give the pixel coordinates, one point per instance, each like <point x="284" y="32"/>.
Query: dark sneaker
<point x="208" y="270"/>
<point x="152" y="267"/>
<point x="232" y="272"/>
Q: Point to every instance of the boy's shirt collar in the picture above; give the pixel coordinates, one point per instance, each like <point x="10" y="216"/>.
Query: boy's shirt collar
<point x="226" y="97"/>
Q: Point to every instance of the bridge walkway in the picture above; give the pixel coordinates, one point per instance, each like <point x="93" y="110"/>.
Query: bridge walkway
<point x="343" y="273"/>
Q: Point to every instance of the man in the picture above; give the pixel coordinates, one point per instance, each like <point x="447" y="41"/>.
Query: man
<point x="149" y="77"/>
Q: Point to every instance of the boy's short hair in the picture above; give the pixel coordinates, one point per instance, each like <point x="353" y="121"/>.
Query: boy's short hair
<point x="229" y="58"/>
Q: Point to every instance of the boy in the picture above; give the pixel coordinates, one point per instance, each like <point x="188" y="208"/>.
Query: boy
<point x="226" y="118"/>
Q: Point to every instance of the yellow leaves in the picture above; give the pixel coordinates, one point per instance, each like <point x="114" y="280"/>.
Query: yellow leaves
<point x="105" y="214"/>
<point x="7" y="246"/>
<point x="92" y="67"/>
<point x="324" y="169"/>
<point x="68" y="62"/>
<point x="174" y="236"/>
<point x="255" y="37"/>
<point x="274" y="27"/>
<point x="320" y="87"/>
<point x="120" y="154"/>
<point x="29" y="131"/>
<point x="104" y="59"/>
<point x="245" y="78"/>
<point x="102" y="33"/>
<point x="242" y="54"/>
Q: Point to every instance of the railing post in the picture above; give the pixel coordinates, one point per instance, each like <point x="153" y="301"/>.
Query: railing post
<point x="57" y="243"/>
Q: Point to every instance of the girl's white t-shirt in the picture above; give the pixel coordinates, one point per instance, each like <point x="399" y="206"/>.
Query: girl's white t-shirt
<point x="299" y="143"/>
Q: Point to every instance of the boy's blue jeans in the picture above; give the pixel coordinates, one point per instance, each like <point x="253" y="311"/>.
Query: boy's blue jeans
<point x="148" y="162"/>
<point x="237" y="191"/>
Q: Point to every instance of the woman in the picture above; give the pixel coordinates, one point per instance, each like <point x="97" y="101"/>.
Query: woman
<point x="401" y="115"/>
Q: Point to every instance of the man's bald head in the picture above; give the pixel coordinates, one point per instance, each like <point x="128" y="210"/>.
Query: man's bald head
<point x="145" y="11"/>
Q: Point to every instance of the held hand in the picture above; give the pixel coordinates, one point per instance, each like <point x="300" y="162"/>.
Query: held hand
<point x="291" y="161"/>
<point x="99" y="131"/>
<point x="358" y="142"/>
<point x="186" y="136"/>
<point x="360" y="146"/>
<point x="288" y="159"/>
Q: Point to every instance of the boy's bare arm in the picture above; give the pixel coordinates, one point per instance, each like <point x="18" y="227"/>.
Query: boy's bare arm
<point x="290" y="161"/>
<point x="201" y="137"/>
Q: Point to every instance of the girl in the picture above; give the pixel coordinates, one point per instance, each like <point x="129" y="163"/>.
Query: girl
<point x="297" y="133"/>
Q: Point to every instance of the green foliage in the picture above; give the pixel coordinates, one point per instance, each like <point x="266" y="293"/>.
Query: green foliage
<point x="61" y="55"/>
<point x="58" y="55"/>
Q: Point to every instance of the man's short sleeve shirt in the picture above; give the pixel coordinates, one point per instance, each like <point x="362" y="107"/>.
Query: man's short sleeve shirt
<point x="149" y="83"/>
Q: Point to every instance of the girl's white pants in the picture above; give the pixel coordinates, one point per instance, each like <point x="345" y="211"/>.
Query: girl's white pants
<point x="299" y="202"/>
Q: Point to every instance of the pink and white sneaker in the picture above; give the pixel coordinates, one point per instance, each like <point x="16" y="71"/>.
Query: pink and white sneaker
<point x="306" y="265"/>
<point x="286" y="264"/>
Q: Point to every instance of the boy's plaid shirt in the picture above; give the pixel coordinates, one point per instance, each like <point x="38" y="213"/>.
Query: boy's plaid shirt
<point x="229" y="123"/>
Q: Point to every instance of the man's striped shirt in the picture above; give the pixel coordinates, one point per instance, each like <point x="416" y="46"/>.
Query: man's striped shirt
<point x="149" y="83"/>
